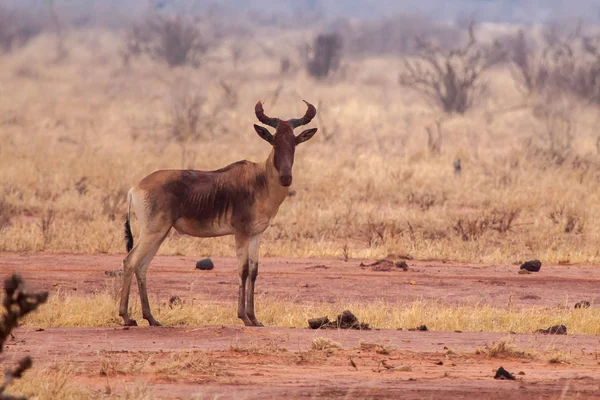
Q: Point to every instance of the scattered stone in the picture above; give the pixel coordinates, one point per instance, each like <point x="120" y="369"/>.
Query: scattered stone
<point x="422" y="328"/>
<point x="386" y="265"/>
<point x="345" y="320"/>
<point x="501" y="373"/>
<point x="532" y="265"/>
<point x="439" y="363"/>
<point x="175" y="301"/>
<point x="402" y="264"/>
<point x="320" y="266"/>
<point x="554" y="330"/>
<point x="316" y="323"/>
<point x="582" y="304"/>
<point x="530" y="296"/>
<point x="112" y="274"/>
<point x="524" y="272"/>
<point x="521" y="373"/>
<point x="205" y="264"/>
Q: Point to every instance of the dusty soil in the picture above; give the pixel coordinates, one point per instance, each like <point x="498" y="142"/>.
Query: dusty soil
<point x="271" y="362"/>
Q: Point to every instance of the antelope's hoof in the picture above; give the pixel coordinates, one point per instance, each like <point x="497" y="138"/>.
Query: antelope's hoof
<point x="131" y="322"/>
<point x="154" y="323"/>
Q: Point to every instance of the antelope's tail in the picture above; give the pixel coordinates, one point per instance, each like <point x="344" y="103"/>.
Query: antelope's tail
<point x="128" y="234"/>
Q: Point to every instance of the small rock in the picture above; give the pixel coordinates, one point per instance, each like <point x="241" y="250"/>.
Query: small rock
<point x="521" y="373"/>
<point x="402" y="264"/>
<point x="532" y="265"/>
<point x="205" y="264"/>
<point x="316" y="323"/>
<point x="524" y="272"/>
<point x="554" y="330"/>
<point x="582" y="304"/>
<point x="439" y="363"/>
<point x="501" y="373"/>
<point x="422" y="328"/>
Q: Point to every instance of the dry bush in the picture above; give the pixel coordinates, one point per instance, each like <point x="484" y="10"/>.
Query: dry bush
<point x="176" y="40"/>
<point x="529" y="67"/>
<point x="46" y="225"/>
<point x="324" y="56"/>
<point x="425" y="199"/>
<point x="553" y="143"/>
<point x="570" y="220"/>
<point x="563" y="63"/>
<point x="113" y="203"/>
<point x="19" y="26"/>
<point x="451" y="79"/>
<point x="473" y="228"/>
<point x="322" y="343"/>
<point x="6" y="212"/>
<point x="503" y="349"/>
<point x="395" y="35"/>
<point x="184" y="128"/>
<point x="17" y="304"/>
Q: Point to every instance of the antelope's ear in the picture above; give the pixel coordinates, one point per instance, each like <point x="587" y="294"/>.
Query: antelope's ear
<point x="263" y="133"/>
<point x="305" y="135"/>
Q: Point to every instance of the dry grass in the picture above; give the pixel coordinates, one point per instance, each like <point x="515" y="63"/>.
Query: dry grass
<point x="57" y="382"/>
<point x="64" y="310"/>
<point x="322" y="343"/>
<point x="369" y="188"/>
<point x="503" y="349"/>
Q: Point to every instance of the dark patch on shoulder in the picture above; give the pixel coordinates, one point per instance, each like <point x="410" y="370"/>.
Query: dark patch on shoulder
<point x="261" y="181"/>
<point x="207" y="196"/>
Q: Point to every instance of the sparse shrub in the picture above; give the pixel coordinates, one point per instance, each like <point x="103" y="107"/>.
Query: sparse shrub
<point x="17" y="27"/>
<point x="324" y="56"/>
<point x="172" y="39"/>
<point x="394" y="35"/>
<point x="424" y="199"/>
<point x="6" y="213"/>
<point x="474" y="228"/>
<point x="564" y="63"/>
<point x="450" y="79"/>
<point x="322" y="343"/>
<point x="504" y="348"/>
<point x="17" y="304"/>
<point x="555" y="136"/>
<point x="434" y="139"/>
<point x="186" y="114"/>
<point x="113" y="202"/>
<point x="570" y="220"/>
<point x="46" y="226"/>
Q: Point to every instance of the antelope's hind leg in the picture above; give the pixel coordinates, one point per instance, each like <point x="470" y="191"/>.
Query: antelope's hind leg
<point x="138" y="261"/>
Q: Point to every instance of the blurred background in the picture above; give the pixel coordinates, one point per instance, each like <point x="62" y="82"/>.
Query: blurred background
<point x="462" y="130"/>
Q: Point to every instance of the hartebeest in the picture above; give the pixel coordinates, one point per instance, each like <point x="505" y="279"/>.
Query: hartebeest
<point x="241" y="200"/>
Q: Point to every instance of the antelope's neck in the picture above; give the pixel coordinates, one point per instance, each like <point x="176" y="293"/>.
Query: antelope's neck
<point x="277" y="193"/>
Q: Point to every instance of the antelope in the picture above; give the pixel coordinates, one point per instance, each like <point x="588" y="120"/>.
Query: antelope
<point x="240" y="199"/>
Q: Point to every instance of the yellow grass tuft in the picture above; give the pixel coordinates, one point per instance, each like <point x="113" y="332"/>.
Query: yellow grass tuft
<point x="505" y="348"/>
<point x="322" y="343"/>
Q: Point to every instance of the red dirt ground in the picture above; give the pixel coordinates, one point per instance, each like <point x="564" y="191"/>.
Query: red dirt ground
<point x="271" y="362"/>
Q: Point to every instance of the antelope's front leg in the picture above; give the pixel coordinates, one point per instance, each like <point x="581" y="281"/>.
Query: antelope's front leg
<point x="253" y="246"/>
<point x="241" y="244"/>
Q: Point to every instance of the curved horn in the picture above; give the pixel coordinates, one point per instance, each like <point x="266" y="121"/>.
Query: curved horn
<point x="310" y="114"/>
<point x="260" y="114"/>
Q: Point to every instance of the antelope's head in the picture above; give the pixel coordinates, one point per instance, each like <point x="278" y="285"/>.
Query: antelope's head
<point x="284" y="141"/>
